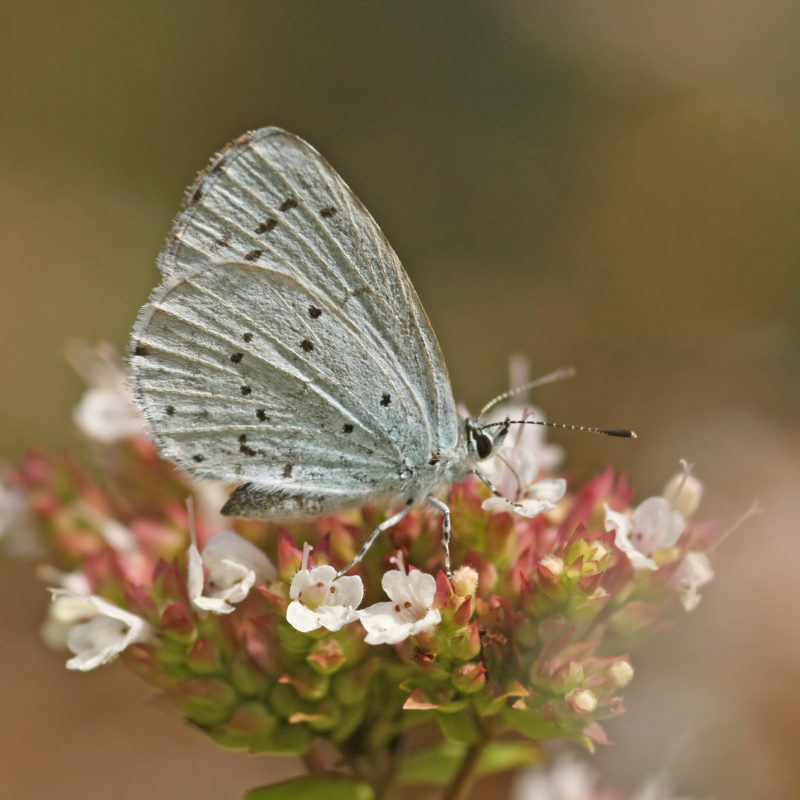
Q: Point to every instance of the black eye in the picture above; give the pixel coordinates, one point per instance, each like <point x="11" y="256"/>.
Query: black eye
<point x="483" y="444"/>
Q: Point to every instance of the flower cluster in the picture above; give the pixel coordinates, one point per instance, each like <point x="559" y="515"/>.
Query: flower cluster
<point x="250" y="630"/>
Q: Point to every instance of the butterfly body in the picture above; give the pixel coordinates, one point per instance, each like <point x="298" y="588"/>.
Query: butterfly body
<point x="286" y="350"/>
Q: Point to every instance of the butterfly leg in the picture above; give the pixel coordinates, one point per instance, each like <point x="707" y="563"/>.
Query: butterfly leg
<point x="480" y="476"/>
<point x="438" y="504"/>
<point x="387" y="523"/>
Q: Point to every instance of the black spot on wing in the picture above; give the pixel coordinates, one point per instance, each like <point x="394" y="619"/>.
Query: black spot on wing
<point x="327" y="212"/>
<point x="141" y="350"/>
<point x="347" y="428"/>
<point x="261" y="415"/>
<point x="267" y="225"/>
<point x="314" y="312"/>
<point x="246" y="390"/>
<point x="236" y="357"/>
<point x="287" y="470"/>
<point x="253" y="255"/>
<point x="248" y="337"/>
<point x="288" y="204"/>
<point x="170" y="410"/>
<point x="307" y="346"/>
<point x="386" y="399"/>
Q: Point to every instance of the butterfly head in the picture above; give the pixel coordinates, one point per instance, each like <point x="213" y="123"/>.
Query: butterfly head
<point x="482" y="441"/>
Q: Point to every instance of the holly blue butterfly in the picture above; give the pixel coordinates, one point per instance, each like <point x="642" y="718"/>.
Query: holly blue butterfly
<point x="285" y="349"/>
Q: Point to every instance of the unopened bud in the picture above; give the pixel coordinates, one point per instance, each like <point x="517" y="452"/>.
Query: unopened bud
<point x="553" y="563"/>
<point x="685" y="492"/>
<point x="582" y="701"/>
<point x="621" y="672"/>
<point x="465" y="581"/>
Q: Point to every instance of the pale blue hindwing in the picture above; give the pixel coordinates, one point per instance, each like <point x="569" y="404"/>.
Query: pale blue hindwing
<point x="286" y="346"/>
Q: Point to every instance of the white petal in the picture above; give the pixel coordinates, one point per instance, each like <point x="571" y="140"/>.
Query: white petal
<point x="548" y="491"/>
<point x="216" y="605"/>
<point x="383" y="628"/>
<point x="108" y="415"/>
<point x="334" y="617"/>
<point x="66" y="610"/>
<point x="324" y="573"/>
<point x="423" y="587"/>
<point x="194" y="576"/>
<point x="694" y="573"/>
<point x="618" y="522"/>
<point x="532" y="508"/>
<point x="230" y="547"/>
<point x="349" y="590"/>
<point x="103" y="638"/>
<point x="496" y="503"/>
<point x="229" y="579"/>
<point x="430" y="620"/>
<point x="395" y="584"/>
<point x="640" y="560"/>
<point x="656" y="525"/>
<point x="302" y="618"/>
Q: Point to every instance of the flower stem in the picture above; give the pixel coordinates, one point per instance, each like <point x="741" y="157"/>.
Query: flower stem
<point x="462" y="783"/>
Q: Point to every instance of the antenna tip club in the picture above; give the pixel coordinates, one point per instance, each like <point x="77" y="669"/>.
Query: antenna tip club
<point x="623" y="433"/>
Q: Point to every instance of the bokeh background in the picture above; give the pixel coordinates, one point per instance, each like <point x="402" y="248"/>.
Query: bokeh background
<point x="614" y="185"/>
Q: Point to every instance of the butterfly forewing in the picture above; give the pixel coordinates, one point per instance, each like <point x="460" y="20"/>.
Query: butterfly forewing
<point x="286" y="345"/>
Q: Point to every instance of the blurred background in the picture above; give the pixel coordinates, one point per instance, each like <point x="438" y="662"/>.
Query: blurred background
<point x="612" y="185"/>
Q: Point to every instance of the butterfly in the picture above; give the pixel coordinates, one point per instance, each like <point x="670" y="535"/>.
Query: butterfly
<point x="285" y="349"/>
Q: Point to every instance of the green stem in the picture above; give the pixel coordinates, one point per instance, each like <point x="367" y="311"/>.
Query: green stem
<point x="462" y="783"/>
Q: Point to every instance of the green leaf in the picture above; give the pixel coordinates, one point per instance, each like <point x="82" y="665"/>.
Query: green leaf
<point x="459" y="728"/>
<point x="532" y="724"/>
<point x="438" y="766"/>
<point x="313" y="787"/>
<point x="502" y="756"/>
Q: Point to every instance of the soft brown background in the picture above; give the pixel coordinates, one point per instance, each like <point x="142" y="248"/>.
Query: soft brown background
<point x="614" y="185"/>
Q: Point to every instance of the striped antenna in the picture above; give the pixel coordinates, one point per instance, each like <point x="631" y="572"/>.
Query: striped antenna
<point x="622" y="433"/>
<point x="558" y="375"/>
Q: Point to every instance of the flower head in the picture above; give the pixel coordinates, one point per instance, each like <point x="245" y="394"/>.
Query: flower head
<point x="234" y="566"/>
<point x="101" y="631"/>
<point x="106" y="412"/>
<point x="653" y="526"/>
<point x="693" y="573"/>
<point x="516" y="464"/>
<point x="409" y="610"/>
<point x="320" y="599"/>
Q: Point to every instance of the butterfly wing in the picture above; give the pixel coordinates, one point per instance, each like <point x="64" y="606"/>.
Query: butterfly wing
<point x="285" y="347"/>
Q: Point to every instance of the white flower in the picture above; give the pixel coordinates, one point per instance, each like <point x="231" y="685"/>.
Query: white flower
<point x="320" y="599"/>
<point x="514" y="466"/>
<point x="106" y="412"/>
<point x="17" y="530"/>
<point x="693" y="573"/>
<point x="98" y="630"/>
<point x="567" y="779"/>
<point x="69" y="604"/>
<point x="409" y="610"/>
<point x="654" y="526"/>
<point x="234" y="566"/>
<point x="532" y="439"/>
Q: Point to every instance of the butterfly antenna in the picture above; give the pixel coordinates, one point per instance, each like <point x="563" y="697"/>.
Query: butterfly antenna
<point x="558" y="375"/>
<point x="623" y="433"/>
